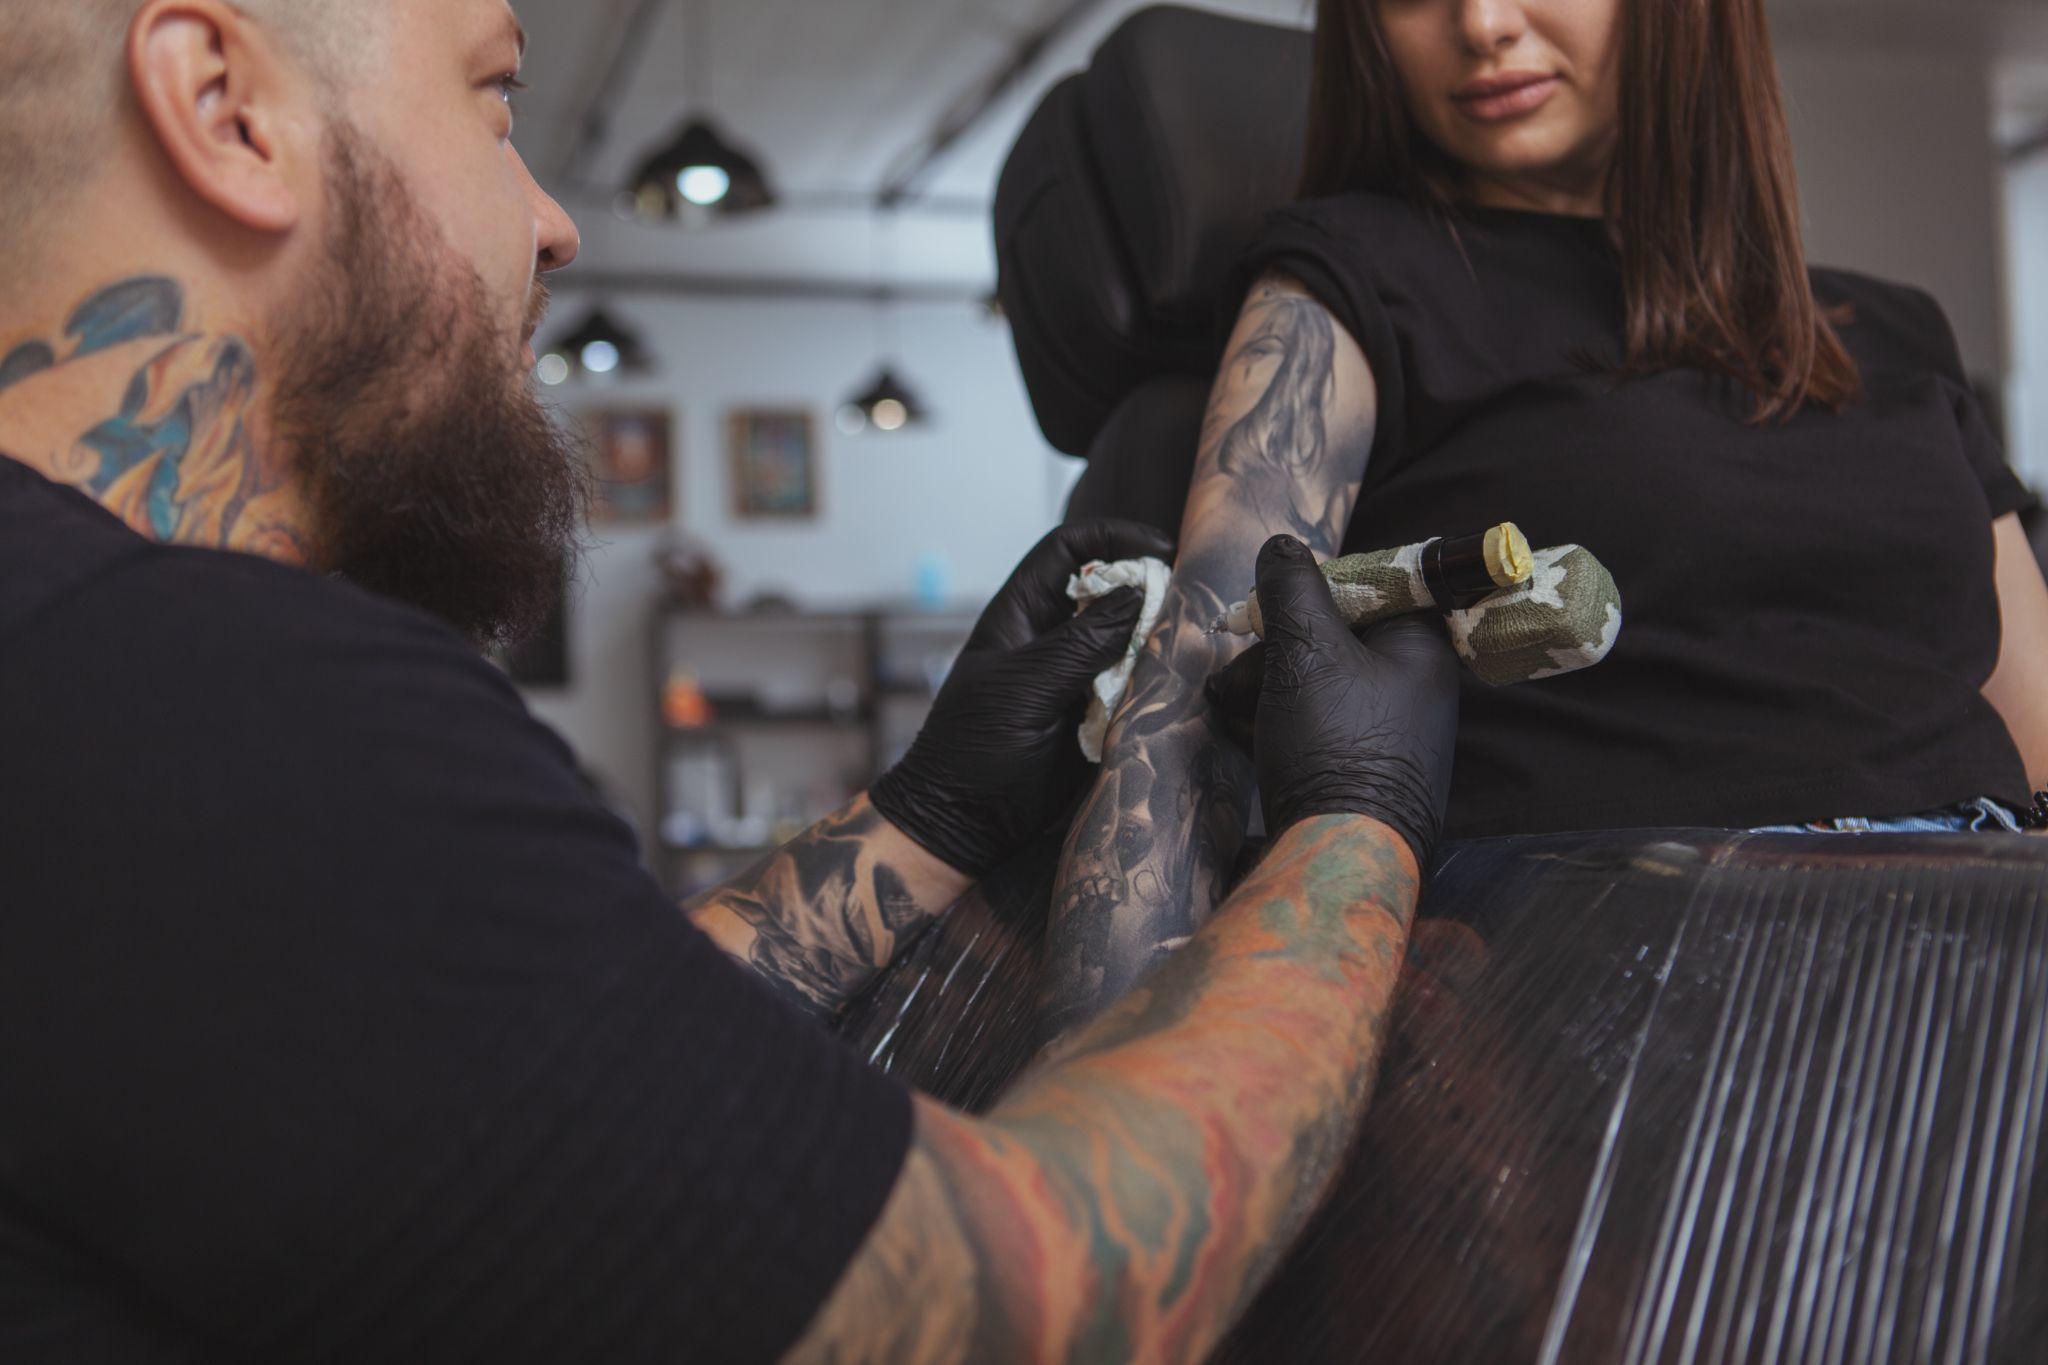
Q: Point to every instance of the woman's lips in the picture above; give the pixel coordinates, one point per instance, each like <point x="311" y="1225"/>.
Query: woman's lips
<point x="1496" y="101"/>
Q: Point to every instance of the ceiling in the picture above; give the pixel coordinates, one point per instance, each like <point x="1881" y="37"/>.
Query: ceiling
<point x="839" y="97"/>
<point x="836" y="96"/>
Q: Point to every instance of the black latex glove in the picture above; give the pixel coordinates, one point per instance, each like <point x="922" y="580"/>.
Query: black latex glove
<point x="999" y="758"/>
<point x="1343" y="725"/>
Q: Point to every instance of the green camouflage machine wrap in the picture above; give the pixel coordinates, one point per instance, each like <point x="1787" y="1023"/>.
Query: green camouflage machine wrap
<point x="1565" y="617"/>
<point x="1368" y="587"/>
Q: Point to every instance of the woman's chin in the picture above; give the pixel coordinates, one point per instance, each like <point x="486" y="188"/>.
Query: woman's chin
<point x="1520" y="157"/>
<point x="1548" y="173"/>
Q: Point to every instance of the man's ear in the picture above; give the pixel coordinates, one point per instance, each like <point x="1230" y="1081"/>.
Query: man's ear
<point x="216" y="94"/>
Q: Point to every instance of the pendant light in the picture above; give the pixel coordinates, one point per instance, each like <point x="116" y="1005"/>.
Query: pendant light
<point x="696" y="173"/>
<point x="599" y="346"/>
<point x="885" y="404"/>
<point x="699" y="171"/>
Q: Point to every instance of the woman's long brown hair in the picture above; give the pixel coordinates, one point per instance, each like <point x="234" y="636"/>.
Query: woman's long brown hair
<point x="1702" y="198"/>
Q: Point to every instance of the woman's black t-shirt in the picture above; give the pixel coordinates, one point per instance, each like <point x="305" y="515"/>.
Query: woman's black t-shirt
<point x="1809" y="610"/>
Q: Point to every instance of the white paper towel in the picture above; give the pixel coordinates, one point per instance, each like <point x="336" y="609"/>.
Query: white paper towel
<point x="1099" y="580"/>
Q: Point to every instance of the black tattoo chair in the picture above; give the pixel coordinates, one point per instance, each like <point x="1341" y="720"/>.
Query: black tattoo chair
<point x="1118" y="218"/>
<point x="1680" y="1095"/>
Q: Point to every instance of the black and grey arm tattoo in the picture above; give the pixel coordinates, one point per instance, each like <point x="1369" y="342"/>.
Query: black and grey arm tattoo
<point x="821" y="915"/>
<point x="1284" y="445"/>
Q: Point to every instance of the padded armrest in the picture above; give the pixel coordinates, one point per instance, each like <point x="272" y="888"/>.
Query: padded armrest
<point x="1197" y="121"/>
<point x="1127" y="199"/>
<point x="1065" y="284"/>
<point x="1142" y="463"/>
<point x="1778" y="1097"/>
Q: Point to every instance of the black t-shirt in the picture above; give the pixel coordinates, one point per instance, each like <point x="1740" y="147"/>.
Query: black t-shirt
<point x="338" y="1023"/>
<point x="1809" y="610"/>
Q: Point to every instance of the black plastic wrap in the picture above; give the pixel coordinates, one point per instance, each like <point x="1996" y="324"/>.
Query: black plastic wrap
<point x="1687" y="1096"/>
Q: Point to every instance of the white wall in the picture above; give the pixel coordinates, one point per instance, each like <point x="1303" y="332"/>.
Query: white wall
<point x="1900" y="178"/>
<point x="2026" y="198"/>
<point x="975" y="488"/>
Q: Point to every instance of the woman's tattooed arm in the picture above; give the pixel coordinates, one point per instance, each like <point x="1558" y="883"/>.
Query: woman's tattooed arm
<point x="820" y="916"/>
<point x="1285" y="443"/>
<point x="1129" y="1196"/>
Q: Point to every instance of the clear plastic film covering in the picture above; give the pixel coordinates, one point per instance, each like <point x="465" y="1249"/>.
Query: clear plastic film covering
<point x="1680" y="1097"/>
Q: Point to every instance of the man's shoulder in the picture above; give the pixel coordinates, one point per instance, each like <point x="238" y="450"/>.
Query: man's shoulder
<point x="250" y="705"/>
<point x="53" y="540"/>
<point x="88" y="606"/>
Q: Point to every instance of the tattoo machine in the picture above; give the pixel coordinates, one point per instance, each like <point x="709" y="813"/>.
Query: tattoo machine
<point x="1515" y="615"/>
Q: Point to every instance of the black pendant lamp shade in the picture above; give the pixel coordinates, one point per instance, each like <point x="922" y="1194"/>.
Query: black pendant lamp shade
<point x="885" y="405"/>
<point x="598" y="345"/>
<point x="697" y="172"/>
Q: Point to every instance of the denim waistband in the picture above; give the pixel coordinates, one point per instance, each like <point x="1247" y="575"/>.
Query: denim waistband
<point x="1981" y="815"/>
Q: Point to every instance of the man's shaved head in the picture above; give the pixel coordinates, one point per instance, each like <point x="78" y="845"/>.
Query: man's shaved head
<point x="279" y="265"/>
<point x="63" y="84"/>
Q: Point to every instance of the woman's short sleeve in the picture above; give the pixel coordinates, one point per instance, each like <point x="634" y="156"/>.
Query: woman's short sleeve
<point x="1981" y="444"/>
<point x="2002" y="487"/>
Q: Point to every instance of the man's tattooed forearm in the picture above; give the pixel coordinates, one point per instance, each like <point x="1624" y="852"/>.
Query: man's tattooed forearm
<point x="821" y="915"/>
<point x="1283" y="448"/>
<point x="176" y="460"/>
<point x="1132" y="1193"/>
<point x="1233" y="1151"/>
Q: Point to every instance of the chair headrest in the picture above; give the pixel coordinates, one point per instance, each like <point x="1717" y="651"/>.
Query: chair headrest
<point x="1128" y="197"/>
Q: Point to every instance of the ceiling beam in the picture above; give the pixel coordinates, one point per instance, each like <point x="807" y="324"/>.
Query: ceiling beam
<point x="2027" y="148"/>
<point x="977" y="102"/>
<point x="593" y="125"/>
<point x="813" y="203"/>
<point x="768" y="288"/>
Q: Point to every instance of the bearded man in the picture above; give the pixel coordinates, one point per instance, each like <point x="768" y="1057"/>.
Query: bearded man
<point x="336" y="1021"/>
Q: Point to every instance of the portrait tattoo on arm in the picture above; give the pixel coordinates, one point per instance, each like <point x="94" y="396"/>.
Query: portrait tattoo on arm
<point x="821" y="915"/>
<point x="1284" y="444"/>
<point x="175" y="459"/>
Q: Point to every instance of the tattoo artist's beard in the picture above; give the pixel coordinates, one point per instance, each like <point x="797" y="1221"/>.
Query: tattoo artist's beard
<point x="431" y="472"/>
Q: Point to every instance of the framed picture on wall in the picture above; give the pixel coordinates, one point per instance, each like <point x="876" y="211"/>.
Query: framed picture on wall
<point x="774" y="463"/>
<point x="631" y="458"/>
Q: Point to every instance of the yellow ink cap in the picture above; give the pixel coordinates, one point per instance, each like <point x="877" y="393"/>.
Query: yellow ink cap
<point x="1508" y="559"/>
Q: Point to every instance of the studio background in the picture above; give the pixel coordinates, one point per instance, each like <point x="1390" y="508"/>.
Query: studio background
<point x="1921" y="128"/>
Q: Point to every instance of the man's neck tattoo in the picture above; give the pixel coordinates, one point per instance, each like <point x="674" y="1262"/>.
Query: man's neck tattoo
<point x="177" y="461"/>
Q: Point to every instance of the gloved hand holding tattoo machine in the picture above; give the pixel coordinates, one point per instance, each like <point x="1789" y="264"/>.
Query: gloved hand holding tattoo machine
<point x="1342" y="723"/>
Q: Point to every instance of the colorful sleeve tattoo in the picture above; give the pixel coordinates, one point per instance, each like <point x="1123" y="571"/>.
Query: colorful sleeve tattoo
<point x="820" y="916"/>
<point x="1289" y="428"/>
<point x="1132" y="1193"/>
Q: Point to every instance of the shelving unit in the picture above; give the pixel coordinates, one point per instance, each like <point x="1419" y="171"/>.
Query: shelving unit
<point x="799" y="711"/>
